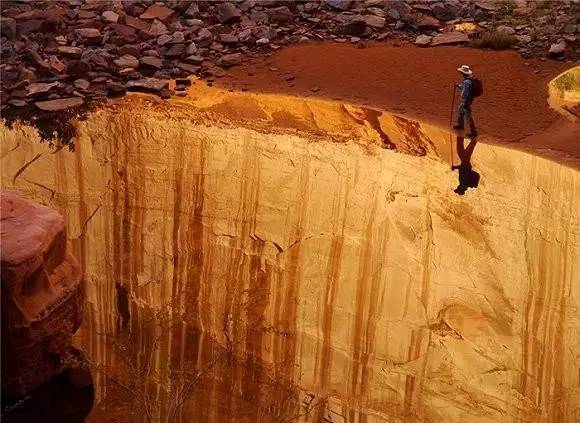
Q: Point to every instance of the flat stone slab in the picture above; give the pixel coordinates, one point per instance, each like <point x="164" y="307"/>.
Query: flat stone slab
<point x="59" y="104"/>
<point x="450" y="38"/>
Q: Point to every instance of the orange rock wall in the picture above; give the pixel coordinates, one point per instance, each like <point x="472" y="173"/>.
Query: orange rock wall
<point x="346" y="278"/>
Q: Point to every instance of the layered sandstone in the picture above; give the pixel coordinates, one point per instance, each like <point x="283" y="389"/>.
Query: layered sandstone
<point x="42" y="297"/>
<point x="268" y="258"/>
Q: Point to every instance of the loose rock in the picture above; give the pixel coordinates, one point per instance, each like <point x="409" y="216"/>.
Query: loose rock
<point x="375" y="21"/>
<point x="152" y="62"/>
<point x="423" y="40"/>
<point x="505" y="30"/>
<point x="70" y="51"/>
<point x="156" y="11"/>
<point x="147" y="85"/>
<point x="110" y="16"/>
<point x="164" y="39"/>
<point x="280" y="14"/>
<point x="340" y="4"/>
<point x="59" y="104"/>
<point x="81" y="84"/>
<point x="450" y="38"/>
<point x="227" y="12"/>
<point x="126" y="61"/>
<point x="557" y="50"/>
<point x="88" y="33"/>
<point x="230" y="60"/>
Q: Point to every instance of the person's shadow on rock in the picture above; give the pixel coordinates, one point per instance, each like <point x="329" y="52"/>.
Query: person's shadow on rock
<point x="468" y="178"/>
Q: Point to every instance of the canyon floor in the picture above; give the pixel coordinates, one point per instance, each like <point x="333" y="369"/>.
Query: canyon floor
<point x="418" y="83"/>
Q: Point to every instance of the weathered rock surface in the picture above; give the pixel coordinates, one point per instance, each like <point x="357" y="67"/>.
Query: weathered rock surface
<point x="282" y="229"/>
<point x="42" y="294"/>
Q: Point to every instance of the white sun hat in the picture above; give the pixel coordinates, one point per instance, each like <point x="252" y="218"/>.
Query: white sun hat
<point x="464" y="69"/>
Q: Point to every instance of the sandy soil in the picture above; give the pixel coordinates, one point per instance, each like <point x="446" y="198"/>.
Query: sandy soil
<point x="418" y="82"/>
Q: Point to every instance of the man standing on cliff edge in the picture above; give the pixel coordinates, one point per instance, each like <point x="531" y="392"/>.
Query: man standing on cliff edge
<point x="470" y="89"/>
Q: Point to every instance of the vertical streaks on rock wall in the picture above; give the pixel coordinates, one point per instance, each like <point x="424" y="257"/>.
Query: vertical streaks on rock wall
<point x="240" y="274"/>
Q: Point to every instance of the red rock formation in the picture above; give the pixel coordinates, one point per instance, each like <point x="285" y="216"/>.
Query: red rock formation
<point x="42" y="293"/>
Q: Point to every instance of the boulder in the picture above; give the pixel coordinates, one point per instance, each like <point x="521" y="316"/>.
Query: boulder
<point x="164" y="39"/>
<point x="42" y="294"/>
<point x="132" y="49"/>
<point x="74" y="52"/>
<point x="377" y="11"/>
<point x="423" y="40"/>
<point x="557" y="49"/>
<point x="37" y="58"/>
<point x="426" y="22"/>
<point x="265" y="31"/>
<point x="229" y="60"/>
<point x="77" y="68"/>
<point x="17" y="102"/>
<point x="88" y="33"/>
<point x="192" y="10"/>
<point x="157" y="28"/>
<point x="505" y="30"/>
<point x="245" y="36"/>
<point x="175" y="51"/>
<point x="126" y="61"/>
<point x="352" y="24"/>
<point x="524" y="39"/>
<point x="178" y="37"/>
<point x="228" y="39"/>
<point x="151" y="62"/>
<point x="488" y="5"/>
<point x="7" y="27"/>
<point x="137" y="23"/>
<point x="444" y="11"/>
<point x="259" y="17"/>
<point x="81" y="84"/>
<point x="450" y="38"/>
<point x="339" y="4"/>
<point x="375" y="21"/>
<point x="227" y="13"/>
<point x="110" y="16"/>
<point x="147" y="85"/>
<point x="204" y="35"/>
<point x="280" y="14"/>
<point x="37" y="88"/>
<point x="191" y="49"/>
<point x="156" y="11"/>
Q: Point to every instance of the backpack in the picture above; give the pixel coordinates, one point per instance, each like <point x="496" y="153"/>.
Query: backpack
<point x="476" y="88"/>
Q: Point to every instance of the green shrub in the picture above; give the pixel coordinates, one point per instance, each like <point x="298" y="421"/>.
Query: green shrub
<point x="494" y="40"/>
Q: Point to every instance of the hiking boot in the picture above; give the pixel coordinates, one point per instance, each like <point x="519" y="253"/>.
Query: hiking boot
<point x="457" y="126"/>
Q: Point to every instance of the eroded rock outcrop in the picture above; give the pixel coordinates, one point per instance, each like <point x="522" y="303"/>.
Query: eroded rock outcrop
<point x="42" y="295"/>
<point x="268" y="258"/>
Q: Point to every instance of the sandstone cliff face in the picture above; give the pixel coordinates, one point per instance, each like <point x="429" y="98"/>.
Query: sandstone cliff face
<point x="280" y="259"/>
<point x="41" y="294"/>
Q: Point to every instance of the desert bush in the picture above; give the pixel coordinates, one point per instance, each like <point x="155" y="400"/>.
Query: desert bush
<point x="570" y="81"/>
<point x="494" y="40"/>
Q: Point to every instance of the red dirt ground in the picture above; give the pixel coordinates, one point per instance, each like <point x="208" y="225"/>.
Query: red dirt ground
<point x="418" y="82"/>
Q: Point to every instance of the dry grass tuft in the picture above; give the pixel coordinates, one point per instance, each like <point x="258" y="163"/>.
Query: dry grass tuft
<point x="495" y="41"/>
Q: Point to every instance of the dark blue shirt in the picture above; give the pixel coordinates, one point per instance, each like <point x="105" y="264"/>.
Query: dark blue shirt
<point x="465" y="88"/>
